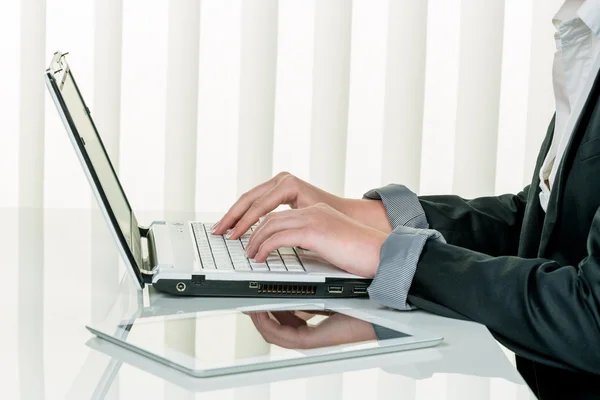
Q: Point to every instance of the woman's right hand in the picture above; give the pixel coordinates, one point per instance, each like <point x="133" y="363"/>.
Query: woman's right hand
<point x="284" y="188"/>
<point x="287" y="189"/>
<point x="287" y="330"/>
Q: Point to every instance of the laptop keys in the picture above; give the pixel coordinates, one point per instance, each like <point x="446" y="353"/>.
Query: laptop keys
<point x="204" y="251"/>
<point x="292" y="263"/>
<point x="207" y="261"/>
<point x="218" y="253"/>
<point x="241" y="265"/>
<point x="261" y="267"/>
<point x="275" y="262"/>
<point x="244" y="239"/>
<point x="277" y="267"/>
<point x="287" y="251"/>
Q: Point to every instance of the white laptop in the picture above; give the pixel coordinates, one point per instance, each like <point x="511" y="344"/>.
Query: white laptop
<point x="184" y="258"/>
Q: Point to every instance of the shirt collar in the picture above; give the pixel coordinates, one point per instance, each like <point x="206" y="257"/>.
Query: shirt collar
<point x="567" y="12"/>
<point x="589" y="12"/>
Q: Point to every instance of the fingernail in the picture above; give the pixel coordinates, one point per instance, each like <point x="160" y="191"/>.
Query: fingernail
<point x="230" y="234"/>
<point x="252" y="260"/>
<point x="215" y="226"/>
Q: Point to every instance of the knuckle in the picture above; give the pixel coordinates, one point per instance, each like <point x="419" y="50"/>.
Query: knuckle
<point x="269" y="244"/>
<point x="289" y="181"/>
<point x="257" y="205"/>
<point x="292" y="180"/>
<point x="245" y="196"/>
<point x="264" y="226"/>
<point x="282" y="174"/>
<point x="317" y="211"/>
<point x="261" y="252"/>
<point x="268" y="218"/>
<point x="278" y="237"/>
<point x="304" y="232"/>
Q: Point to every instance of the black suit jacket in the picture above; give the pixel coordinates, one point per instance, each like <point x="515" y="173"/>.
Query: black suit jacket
<point x="533" y="278"/>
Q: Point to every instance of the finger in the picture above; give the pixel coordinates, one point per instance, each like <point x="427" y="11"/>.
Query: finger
<point x="304" y="315"/>
<point x="287" y="238"/>
<point x="266" y="327"/>
<point x="242" y="205"/>
<point x="291" y="219"/>
<point x="272" y="215"/>
<point x="265" y="333"/>
<point x="273" y="198"/>
<point x="256" y="318"/>
<point x="281" y="335"/>
<point x="288" y="318"/>
<point x="311" y="313"/>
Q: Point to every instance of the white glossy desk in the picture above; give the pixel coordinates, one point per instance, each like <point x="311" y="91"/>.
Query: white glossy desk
<point x="61" y="271"/>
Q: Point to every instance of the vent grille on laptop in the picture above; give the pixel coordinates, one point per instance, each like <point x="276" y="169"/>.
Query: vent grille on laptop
<point x="287" y="289"/>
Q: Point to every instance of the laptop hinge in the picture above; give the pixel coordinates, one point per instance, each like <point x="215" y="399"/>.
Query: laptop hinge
<point x="148" y="254"/>
<point x="147" y="277"/>
<point x="144" y="231"/>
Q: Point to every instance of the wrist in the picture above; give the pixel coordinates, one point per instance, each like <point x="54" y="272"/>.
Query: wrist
<point x="368" y="212"/>
<point x="378" y="239"/>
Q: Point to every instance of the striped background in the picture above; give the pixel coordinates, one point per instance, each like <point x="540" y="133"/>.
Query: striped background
<point x="199" y="100"/>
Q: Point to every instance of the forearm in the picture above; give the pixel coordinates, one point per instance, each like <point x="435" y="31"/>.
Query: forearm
<point x="490" y="225"/>
<point x="368" y="212"/>
<point x="541" y="310"/>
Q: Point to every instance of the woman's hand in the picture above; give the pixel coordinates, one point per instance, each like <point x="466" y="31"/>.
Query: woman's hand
<point x="286" y="189"/>
<point x="337" y="238"/>
<point x="285" y="329"/>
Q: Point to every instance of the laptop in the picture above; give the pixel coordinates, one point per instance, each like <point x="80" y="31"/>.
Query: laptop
<point x="183" y="258"/>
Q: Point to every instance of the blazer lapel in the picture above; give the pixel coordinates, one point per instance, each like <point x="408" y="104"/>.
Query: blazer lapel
<point x="533" y="219"/>
<point x="557" y="192"/>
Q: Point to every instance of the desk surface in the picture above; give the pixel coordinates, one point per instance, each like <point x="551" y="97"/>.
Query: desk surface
<point x="62" y="271"/>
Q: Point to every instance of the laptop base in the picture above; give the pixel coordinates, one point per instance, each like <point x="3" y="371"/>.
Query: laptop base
<point x="198" y="286"/>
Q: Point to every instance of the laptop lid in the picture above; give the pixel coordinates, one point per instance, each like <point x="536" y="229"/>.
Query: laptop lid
<point x="96" y="163"/>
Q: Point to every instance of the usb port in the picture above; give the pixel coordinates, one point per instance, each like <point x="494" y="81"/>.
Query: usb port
<point x="335" y="289"/>
<point x="359" y="290"/>
<point x="253" y="285"/>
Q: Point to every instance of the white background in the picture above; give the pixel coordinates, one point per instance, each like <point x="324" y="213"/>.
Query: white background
<point x="199" y="100"/>
<point x="174" y="86"/>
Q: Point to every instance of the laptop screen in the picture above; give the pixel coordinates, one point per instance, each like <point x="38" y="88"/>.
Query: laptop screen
<point x="98" y="162"/>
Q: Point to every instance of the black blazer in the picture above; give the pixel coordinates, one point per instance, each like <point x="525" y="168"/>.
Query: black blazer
<point x="532" y="278"/>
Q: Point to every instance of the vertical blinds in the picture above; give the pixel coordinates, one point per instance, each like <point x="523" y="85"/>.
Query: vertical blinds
<point x="199" y="100"/>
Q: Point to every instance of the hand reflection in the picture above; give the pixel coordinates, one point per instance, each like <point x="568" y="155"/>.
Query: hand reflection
<point x="291" y="330"/>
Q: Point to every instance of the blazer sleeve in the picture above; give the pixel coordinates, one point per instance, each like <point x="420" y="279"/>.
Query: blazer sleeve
<point x="490" y="225"/>
<point x="538" y="308"/>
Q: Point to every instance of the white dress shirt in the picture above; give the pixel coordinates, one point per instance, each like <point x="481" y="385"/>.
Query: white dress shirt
<point x="576" y="64"/>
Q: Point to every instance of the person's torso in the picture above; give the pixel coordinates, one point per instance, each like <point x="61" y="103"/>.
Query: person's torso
<point x="561" y="233"/>
<point x="575" y="65"/>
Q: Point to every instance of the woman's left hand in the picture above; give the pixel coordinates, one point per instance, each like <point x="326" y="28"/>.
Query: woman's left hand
<point x="335" y="237"/>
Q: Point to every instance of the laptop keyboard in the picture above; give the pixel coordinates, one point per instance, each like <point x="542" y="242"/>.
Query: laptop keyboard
<point x="218" y="253"/>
